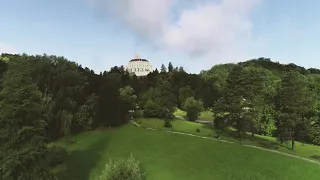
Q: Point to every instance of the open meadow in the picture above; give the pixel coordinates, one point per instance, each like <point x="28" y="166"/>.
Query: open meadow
<point x="173" y="156"/>
<point x="207" y="130"/>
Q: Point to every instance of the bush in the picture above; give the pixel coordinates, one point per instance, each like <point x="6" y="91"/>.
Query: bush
<point x="193" y="108"/>
<point x="171" y="116"/>
<point x="56" y="154"/>
<point x="151" y="109"/>
<point x="138" y="114"/>
<point x="72" y="141"/>
<point x="129" y="169"/>
<point x="198" y="130"/>
<point x="167" y="124"/>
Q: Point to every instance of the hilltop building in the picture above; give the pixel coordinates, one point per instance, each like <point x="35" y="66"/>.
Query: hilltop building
<point x="138" y="66"/>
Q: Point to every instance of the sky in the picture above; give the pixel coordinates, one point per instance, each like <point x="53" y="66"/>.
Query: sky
<point x="195" y="34"/>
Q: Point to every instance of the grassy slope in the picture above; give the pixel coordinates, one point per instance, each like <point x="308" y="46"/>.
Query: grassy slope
<point x="205" y="115"/>
<point x="303" y="150"/>
<point x="174" y="157"/>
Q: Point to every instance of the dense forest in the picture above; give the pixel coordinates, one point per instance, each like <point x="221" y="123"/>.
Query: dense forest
<point x="44" y="98"/>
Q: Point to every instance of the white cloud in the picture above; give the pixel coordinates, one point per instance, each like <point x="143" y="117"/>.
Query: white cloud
<point x="216" y="30"/>
<point x="143" y="17"/>
<point x="4" y="48"/>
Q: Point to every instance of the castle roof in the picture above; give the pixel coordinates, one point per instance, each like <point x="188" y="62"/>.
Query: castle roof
<point x="132" y="60"/>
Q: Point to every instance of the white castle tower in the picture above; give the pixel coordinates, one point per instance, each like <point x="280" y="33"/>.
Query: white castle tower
<point x="139" y="66"/>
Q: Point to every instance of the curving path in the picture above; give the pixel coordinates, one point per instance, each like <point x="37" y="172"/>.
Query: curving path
<point x="256" y="147"/>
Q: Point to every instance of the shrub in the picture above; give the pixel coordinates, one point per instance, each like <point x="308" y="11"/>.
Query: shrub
<point x="56" y="154"/>
<point x="171" y="116"/>
<point x="151" y="109"/>
<point x="198" y="130"/>
<point x="72" y="141"/>
<point x="167" y="124"/>
<point x="138" y="114"/>
<point x="193" y="108"/>
<point x="129" y="169"/>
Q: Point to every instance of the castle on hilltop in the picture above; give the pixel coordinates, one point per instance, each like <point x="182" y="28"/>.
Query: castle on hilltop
<point x="139" y="66"/>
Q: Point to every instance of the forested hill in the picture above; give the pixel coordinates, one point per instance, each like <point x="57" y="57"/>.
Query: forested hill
<point x="48" y="97"/>
<point x="275" y="67"/>
<point x="209" y="83"/>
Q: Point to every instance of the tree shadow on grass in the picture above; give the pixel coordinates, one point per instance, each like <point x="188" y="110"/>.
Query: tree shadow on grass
<point x="225" y="133"/>
<point x="315" y="157"/>
<point x="220" y="133"/>
<point x="230" y="135"/>
<point x="79" y="163"/>
<point x="205" y="118"/>
<point x="265" y="143"/>
<point x="207" y="126"/>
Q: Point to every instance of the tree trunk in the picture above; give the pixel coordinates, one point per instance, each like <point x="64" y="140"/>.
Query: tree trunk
<point x="292" y="144"/>
<point x="239" y="135"/>
<point x="252" y="131"/>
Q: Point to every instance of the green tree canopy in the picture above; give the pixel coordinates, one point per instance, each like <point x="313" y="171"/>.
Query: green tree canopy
<point x="185" y="93"/>
<point x="294" y="104"/>
<point x="193" y="108"/>
<point x="163" y="68"/>
<point x="170" y="67"/>
<point x="23" y="148"/>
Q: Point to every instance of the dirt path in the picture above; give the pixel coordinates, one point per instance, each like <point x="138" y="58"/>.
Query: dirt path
<point x="136" y="124"/>
<point x="250" y="146"/>
<point x="286" y="154"/>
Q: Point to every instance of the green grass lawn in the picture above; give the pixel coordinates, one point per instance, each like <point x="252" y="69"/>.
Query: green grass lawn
<point x="204" y="115"/>
<point x="179" y="126"/>
<point x="303" y="150"/>
<point x="168" y="156"/>
<point x="179" y="112"/>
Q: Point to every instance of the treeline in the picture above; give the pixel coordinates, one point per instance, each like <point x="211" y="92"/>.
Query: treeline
<point x="268" y="98"/>
<point x="43" y="98"/>
<point x="257" y="96"/>
<point x="74" y="98"/>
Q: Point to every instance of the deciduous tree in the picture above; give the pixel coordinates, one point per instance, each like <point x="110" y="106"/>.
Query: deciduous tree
<point x="185" y="93"/>
<point x="23" y="145"/>
<point x="193" y="108"/>
<point x="293" y="107"/>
